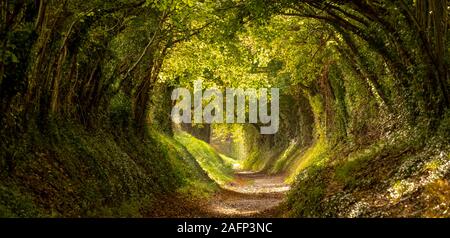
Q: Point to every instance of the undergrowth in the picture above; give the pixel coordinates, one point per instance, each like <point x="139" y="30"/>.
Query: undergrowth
<point x="219" y="168"/>
<point x="400" y="175"/>
<point x="68" y="170"/>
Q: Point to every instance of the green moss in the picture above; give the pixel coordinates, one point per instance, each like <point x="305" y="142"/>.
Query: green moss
<point x="316" y="155"/>
<point x="293" y="152"/>
<point x="305" y="200"/>
<point x="197" y="182"/>
<point x="347" y="172"/>
<point x="218" y="169"/>
<point x="70" y="171"/>
<point x="254" y="162"/>
<point x="14" y="203"/>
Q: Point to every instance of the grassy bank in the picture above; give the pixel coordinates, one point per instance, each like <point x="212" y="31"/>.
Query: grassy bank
<point x="218" y="167"/>
<point x="401" y="175"/>
<point x="70" y="171"/>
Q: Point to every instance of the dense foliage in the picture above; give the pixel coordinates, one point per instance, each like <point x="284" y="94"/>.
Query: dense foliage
<point x="362" y="82"/>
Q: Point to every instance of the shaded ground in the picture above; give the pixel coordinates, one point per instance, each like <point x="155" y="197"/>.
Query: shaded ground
<point x="249" y="195"/>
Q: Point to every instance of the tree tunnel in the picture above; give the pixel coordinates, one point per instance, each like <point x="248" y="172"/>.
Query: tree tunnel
<point x="87" y="96"/>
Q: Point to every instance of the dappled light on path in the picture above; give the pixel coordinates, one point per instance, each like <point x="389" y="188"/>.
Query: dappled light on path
<point x="256" y="183"/>
<point x="249" y="194"/>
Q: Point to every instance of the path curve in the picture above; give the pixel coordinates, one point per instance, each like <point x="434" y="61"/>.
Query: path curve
<point x="248" y="195"/>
